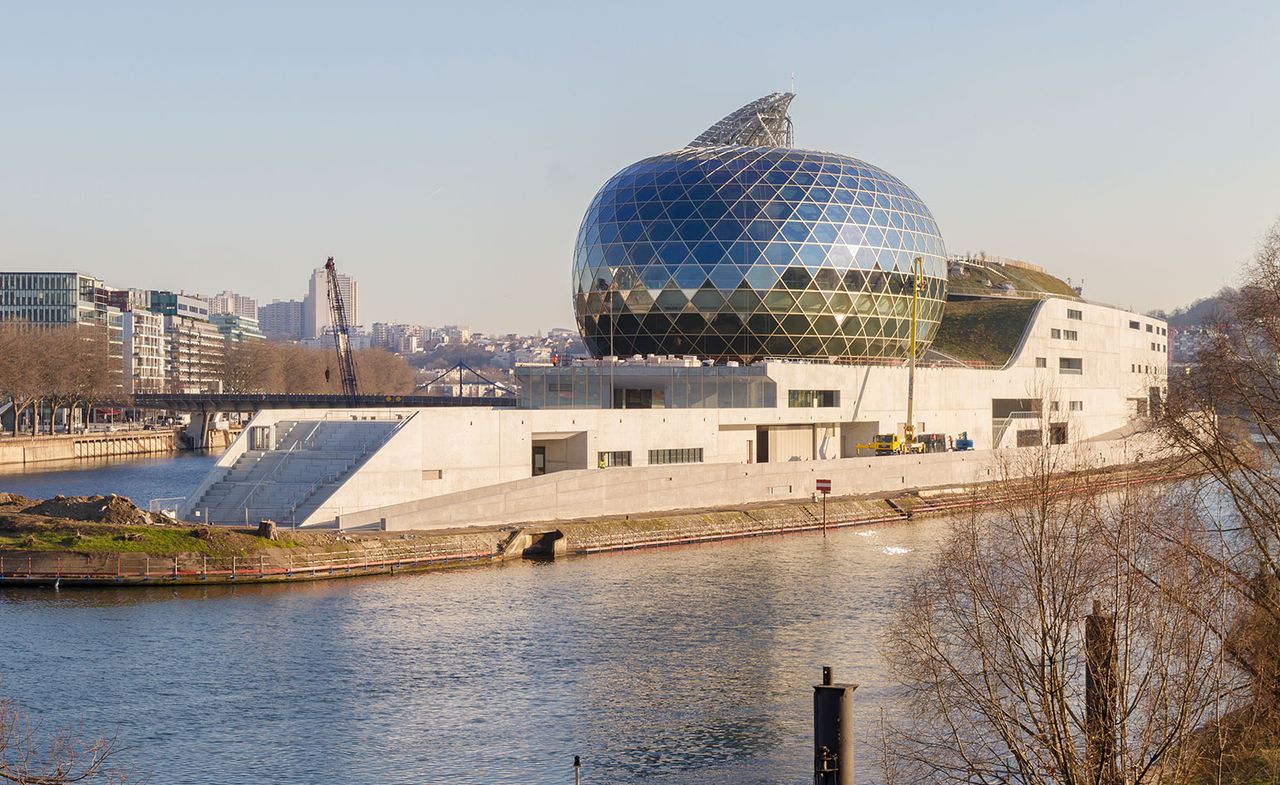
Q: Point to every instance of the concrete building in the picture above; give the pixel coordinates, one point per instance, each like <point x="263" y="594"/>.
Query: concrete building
<point x="761" y="299"/>
<point x="56" y="299"/>
<point x="195" y="346"/>
<point x="146" y="352"/>
<point x="315" y="307"/>
<point x="236" y="328"/>
<point x="232" y="303"/>
<point x="282" y="320"/>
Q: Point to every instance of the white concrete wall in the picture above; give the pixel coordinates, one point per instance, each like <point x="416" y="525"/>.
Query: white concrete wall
<point x="582" y="494"/>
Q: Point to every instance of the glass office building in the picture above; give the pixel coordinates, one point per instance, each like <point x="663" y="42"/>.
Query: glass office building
<point x="739" y="247"/>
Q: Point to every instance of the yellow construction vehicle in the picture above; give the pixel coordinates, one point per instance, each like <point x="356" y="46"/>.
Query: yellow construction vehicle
<point x="892" y="444"/>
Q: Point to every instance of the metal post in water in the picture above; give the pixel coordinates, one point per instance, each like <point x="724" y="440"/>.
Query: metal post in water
<point x="577" y="764"/>
<point x="1100" y="696"/>
<point x="832" y="731"/>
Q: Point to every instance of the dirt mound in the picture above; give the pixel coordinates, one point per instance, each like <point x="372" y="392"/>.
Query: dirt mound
<point x="98" y="509"/>
<point x="14" y="500"/>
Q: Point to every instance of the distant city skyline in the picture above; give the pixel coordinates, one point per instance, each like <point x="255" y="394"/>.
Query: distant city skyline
<point x="207" y="149"/>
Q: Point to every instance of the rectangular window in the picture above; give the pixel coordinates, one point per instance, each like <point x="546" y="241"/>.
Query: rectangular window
<point x="1150" y="328"/>
<point x="1042" y="362"/>
<point x="684" y="455"/>
<point x="1074" y="314"/>
<point x="1076" y="406"/>
<point x="1071" y="335"/>
<point x="1053" y="406"/>
<point x="807" y="399"/>
<point x="1070" y="365"/>
<point x="1029" y="438"/>
<point x="1055" y="333"/>
<point x="1135" y="326"/>
<point x="615" y="458"/>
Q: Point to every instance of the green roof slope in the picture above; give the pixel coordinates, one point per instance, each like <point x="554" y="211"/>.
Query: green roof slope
<point x="983" y="332"/>
<point x="973" y="281"/>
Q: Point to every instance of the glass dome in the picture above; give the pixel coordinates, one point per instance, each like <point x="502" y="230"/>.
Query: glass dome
<point x="745" y="253"/>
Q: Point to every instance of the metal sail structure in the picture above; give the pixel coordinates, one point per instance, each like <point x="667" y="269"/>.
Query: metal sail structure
<point x="762" y="123"/>
<point x="341" y="333"/>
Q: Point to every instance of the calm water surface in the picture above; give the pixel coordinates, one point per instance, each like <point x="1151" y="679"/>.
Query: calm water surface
<point x="141" y="479"/>
<point x="688" y="665"/>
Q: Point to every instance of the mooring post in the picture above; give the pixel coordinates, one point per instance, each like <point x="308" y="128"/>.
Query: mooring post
<point x="832" y="731"/>
<point x="577" y="764"/>
<point x="1100" y="696"/>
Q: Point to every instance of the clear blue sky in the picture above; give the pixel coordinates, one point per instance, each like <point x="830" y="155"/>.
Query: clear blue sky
<point x="445" y="153"/>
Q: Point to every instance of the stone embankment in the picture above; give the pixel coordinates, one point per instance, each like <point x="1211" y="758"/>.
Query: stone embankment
<point x="99" y="541"/>
<point x="19" y="451"/>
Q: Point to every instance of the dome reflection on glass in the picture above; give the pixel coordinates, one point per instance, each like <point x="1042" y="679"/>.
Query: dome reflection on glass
<point x="741" y="253"/>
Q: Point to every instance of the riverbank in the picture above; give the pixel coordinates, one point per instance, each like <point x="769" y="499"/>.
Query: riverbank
<point x="98" y="541"/>
<point x="20" y="452"/>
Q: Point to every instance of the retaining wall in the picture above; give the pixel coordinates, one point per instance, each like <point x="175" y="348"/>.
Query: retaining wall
<point x="587" y="493"/>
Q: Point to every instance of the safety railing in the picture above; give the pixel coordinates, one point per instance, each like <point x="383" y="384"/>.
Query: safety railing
<point x="166" y="503"/>
<point x="196" y="567"/>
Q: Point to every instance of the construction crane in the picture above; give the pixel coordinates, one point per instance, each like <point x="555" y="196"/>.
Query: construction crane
<point x="917" y="288"/>
<point x="341" y="333"/>
<point x="889" y="443"/>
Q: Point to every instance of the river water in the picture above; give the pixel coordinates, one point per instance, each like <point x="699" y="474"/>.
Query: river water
<point x="682" y="665"/>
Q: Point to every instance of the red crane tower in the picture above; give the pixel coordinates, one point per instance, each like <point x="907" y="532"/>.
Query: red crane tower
<point x="341" y="333"/>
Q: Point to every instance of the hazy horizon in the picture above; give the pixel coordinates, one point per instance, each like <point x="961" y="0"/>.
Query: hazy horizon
<point x="445" y="154"/>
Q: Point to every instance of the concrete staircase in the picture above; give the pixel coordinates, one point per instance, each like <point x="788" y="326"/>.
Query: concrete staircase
<point x="311" y="459"/>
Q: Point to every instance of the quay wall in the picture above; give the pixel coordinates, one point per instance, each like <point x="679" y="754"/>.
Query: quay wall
<point x="576" y="494"/>
<point x="21" y="451"/>
<point x="357" y="554"/>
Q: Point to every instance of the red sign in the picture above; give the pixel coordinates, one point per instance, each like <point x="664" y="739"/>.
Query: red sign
<point x="824" y="486"/>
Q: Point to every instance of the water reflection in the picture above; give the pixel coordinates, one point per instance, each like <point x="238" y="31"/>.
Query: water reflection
<point x="140" y="479"/>
<point x="689" y="665"/>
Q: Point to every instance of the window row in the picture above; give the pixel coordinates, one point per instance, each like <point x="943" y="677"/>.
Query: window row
<point x="1065" y="364"/>
<point x="1151" y="328"/>
<point x="807" y="399"/>
<point x="682" y="455"/>
<point x="1069" y="335"/>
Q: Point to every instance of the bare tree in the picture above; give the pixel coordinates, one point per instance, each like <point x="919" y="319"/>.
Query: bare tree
<point x="18" y="377"/>
<point x="1226" y="410"/>
<point x="989" y="647"/>
<point x="64" y="758"/>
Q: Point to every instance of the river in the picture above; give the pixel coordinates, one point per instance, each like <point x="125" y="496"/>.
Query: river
<point x="683" y="665"/>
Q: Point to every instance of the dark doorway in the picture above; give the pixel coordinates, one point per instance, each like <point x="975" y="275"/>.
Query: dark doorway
<point x="1156" y="401"/>
<point x="539" y="461"/>
<point x="1058" y="433"/>
<point x="762" y="445"/>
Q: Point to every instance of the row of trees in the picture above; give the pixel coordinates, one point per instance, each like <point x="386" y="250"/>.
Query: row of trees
<point x="55" y="369"/>
<point x="989" y="648"/>
<point x="267" y="367"/>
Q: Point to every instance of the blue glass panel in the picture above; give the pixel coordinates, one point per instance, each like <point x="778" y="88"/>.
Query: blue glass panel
<point x="689" y="276"/>
<point x="779" y="253"/>
<point x="824" y="232"/>
<point x="809" y="211"/>
<point x="795" y="231"/>
<point x="779" y="211"/>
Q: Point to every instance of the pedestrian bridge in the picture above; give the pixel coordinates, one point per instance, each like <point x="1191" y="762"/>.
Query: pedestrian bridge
<point x="204" y="406"/>
<point x="252" y="402"/>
